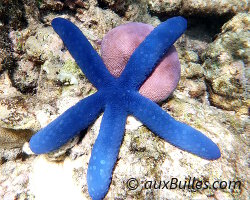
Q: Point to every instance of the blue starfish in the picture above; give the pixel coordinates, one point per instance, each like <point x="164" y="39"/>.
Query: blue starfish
<point x="118" y="98"/>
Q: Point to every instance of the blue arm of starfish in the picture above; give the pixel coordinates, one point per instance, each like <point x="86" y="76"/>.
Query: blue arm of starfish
<point x="67" y="125"/>
<point x="176" y="133"/>
<point x="82" y="51"/>
<point x="151" y="50"/>
<point x="105" y="151"/>
<point x="78" y="117"/>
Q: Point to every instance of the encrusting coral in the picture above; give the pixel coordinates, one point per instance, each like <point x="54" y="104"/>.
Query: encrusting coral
<point x="118" y="98"/>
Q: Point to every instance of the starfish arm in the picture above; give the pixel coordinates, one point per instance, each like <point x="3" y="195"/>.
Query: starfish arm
<point x="67" y="125"/>
<point x="151" y="50"/>
<point x="82" y="51"/>
<point x="176" y="133"/>
<point x="105" y="151"/>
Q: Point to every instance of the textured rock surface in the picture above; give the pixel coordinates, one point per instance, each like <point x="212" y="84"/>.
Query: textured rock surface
<point x="127" y="8"/>
<point x="14" y="180"/>
<point x="131" y="10"/>
<point x="39" y="80"/>
<point x="16" y="110"/>
<point x="190" y="7"/>
<point x="14" y="138"/>
<point x="227" y="62"/>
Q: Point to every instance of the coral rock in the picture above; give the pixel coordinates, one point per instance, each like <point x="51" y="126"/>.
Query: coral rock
<point x="226" y="62"/>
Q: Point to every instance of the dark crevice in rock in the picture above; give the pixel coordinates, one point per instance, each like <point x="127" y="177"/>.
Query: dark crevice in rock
<point x="3" y="160"/>
<point x="103" y="5"/>
<point x="209" y="25"/>
<point x="25" y="89"/>
<point x="119" y="7"/>
<point x="82" y="135"/>
<point x="7" y="60"/>
<point x="208" y="89"/>
<point x="24" y="156"/>
<point x="12" y="14"/>
<point x="18" y="79"/>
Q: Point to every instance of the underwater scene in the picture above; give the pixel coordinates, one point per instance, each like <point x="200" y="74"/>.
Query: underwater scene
<point x="133" y="99"/>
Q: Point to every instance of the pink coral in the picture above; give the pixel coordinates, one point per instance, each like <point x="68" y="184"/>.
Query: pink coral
<point x="119" y="44"/>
